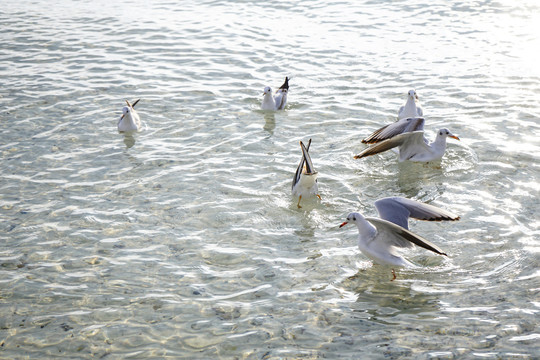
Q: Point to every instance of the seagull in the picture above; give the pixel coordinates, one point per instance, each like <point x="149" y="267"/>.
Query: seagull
<point x="130" y="120"/>
<point x="305" y="180"/>
<point x="412" y="146"/>
<point x="379" y="239"/>
<point x="411" y="108"/>
<point x="399" y="127"/>
<point x="277" y="102"/>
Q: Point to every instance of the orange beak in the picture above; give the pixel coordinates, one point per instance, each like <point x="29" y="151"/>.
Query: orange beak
<point x="342" y="225"/>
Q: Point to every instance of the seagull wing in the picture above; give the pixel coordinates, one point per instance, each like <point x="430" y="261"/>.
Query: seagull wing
<point x="395" y="235"/>
<point x="398" y="210"/>
<point x="387" y="144"/>
<point x="280" y="99"/>
<point x="412" y="144"/>
<point x="400" y="111"/>
<point x="391" y="130"/>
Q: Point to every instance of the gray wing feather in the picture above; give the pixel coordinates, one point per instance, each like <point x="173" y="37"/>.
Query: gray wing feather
<point x="401" y="237"/>
<point x="385" y="145"/>
<point x="391" y="130"/>
<point x="398" y="210"/>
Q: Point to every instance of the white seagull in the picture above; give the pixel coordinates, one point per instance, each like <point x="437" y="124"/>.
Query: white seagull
<point x="411" y="108"/>
<point x="412" y="146"/>
<point x="277" y="102"/>
<point x="305" y="180"/>
<point x="130" y="120"/>
<point x="379" y="239"/>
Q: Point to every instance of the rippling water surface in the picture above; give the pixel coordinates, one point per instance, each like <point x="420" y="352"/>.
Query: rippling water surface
<point x="183" y="241"/>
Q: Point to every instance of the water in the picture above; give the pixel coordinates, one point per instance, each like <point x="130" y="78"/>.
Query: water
<point x="182" y="241"/>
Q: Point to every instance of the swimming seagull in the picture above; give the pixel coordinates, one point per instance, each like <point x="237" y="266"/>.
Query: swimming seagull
<point x="305" y="180"/>
<point x="130" y="120"/>
<point x="399" y="127"/>
<point x="411" y="108"/>
<point x="277" y="102"/>
<point x="412" y="146"/>
<point x="380" y="239"/>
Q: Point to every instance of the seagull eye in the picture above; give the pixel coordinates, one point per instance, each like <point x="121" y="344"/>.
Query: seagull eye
<point x="440" y="133"/>
<point x="354" y="218"/>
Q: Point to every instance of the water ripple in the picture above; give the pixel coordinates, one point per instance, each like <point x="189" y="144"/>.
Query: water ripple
<point x="183" y="240"/>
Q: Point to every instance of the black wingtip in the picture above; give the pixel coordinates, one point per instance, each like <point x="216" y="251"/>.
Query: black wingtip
<point x="285" y="85"/>
<point x="442" y="218"/>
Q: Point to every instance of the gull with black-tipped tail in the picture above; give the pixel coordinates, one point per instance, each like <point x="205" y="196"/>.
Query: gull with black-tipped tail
<point x="130" y="120"/>
<point x="412" y="146"/>
<point x="380" y="238"/>
<point x="305" y="179"/>
<point x="277" y="101"/>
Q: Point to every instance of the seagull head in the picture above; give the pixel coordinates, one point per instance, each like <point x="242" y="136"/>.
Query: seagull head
<point x="125" y="111"/>
<point x="267" y="90"/>
<point x="446" y="133"/>
<point x="352" y="217"/>
<point x="413" y="95"/>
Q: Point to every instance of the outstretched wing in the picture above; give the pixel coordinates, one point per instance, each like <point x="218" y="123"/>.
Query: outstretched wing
<point x="397" y="236"/>
<point x="410" y="139"/>
<point x="398" y="210"/>
<point x="391" y="130"/>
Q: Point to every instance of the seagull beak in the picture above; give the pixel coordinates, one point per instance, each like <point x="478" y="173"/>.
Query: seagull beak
<point x="453" y="137"/>
<point x="343" y="224"/>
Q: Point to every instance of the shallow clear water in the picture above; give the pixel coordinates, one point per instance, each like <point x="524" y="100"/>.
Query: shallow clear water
<point x="183" y="241"/>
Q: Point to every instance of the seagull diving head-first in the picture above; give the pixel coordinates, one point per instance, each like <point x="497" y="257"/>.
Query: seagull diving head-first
<point x="305" y="179"/>
<point x="130" y="120"/>
<point x="277" y="101"/>
<point x="380" y="238"/>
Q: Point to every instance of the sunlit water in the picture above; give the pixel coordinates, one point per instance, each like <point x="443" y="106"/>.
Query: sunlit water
<point x="183" y="240"/>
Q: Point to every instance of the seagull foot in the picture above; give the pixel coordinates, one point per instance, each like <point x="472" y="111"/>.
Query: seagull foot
<point x="394" y="275"/>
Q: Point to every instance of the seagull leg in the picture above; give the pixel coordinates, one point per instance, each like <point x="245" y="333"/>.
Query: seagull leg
<point x="319" y="196"/>
<point x="394" y="275"/>
<point x="299" y="198"/>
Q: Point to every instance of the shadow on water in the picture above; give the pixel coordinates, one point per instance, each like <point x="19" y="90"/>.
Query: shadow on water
<point x="129" y="140"/>
<point x="414" y="178"/>
<point x="269" y="123"/>
<point x="382" y="299"/>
